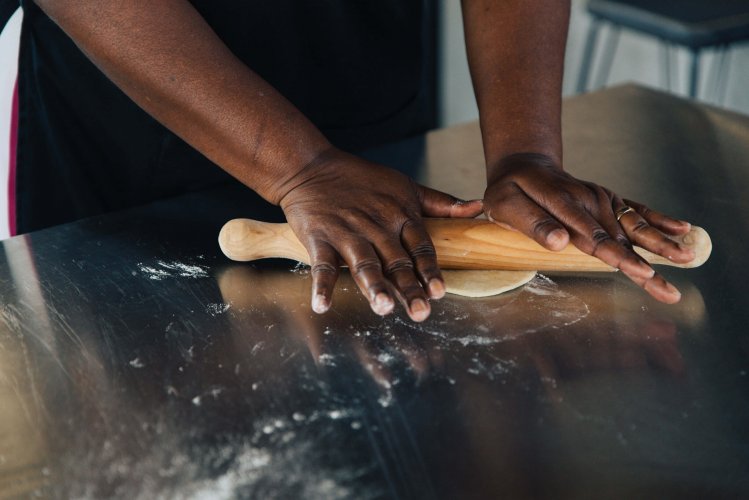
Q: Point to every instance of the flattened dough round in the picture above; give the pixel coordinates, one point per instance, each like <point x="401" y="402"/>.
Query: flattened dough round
<point x="471" y="283"/>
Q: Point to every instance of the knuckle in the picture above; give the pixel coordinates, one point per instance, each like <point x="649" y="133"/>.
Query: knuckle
<point x="624" y="241"/>
<point x="424" y="249"/>
<point x="323" y="269"/>
<point x="598" y="239"/>
<point x="542" y="227"/>
<point x="640" y="226"/>
<point x="366" y="265"/>
<point x="400" y="264"/>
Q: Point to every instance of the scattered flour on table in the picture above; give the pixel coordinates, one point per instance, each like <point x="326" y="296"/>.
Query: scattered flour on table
<point x="278" y="458"/>
<point x="326" y="359"/>
<point x="137" y="363"/>
<point x="548" y="308"/>
<point x="217" y="308"/>
<point x="563" y="308"/>
<point x="301" y="268"/>
<point x="174" y="269"/>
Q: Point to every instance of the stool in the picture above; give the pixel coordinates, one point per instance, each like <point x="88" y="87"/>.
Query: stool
<point x="693" y="24"/>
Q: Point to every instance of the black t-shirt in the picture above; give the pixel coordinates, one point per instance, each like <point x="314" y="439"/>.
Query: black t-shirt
<point x="358" y="69"/>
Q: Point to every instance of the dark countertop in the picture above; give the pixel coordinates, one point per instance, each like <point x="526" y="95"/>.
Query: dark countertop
<point x="137" y="362"/>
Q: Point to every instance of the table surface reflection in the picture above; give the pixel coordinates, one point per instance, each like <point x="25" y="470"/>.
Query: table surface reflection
<point x="137" y="362"/>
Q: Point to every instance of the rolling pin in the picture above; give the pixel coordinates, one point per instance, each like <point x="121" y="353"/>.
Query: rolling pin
<point x="460" y="244"/>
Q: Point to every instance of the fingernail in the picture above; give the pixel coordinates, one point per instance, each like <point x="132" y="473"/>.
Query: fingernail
<point x="685" y="223"/>
<point x="647" y="271"/>
<point x="556" y="238"/>
<point x="320" y="303"/>
<point x="467" y="202"/>
<point x="436" y="288"/>
<point x="672" y="290"/>
<point x="687" y="250"/>
<point x="382" y="304"/>
<point x="419" y="309"/>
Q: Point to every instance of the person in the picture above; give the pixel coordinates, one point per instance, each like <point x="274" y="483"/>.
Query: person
<point x="278" y="94"/>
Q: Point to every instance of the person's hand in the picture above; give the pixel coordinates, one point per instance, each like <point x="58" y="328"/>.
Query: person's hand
<point x="529" y="193"/>
<point x="346" y="210"/>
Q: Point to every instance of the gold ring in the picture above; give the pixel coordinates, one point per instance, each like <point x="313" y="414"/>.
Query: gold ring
<point x="622" y="211"/>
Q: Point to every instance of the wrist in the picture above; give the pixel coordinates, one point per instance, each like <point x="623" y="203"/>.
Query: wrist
<point x="514" y="161"/>
<point x="304" y="172"/>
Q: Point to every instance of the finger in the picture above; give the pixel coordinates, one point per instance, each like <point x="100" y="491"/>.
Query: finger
<point x="324" y="271"/>
<point x="366" y="269"/>
<point x="590" y="237"/>
<point x="419" y="246"/>
<point x="648" y="237"/>
<point x="523" y="214"/>
<point x="659" y="288"/>
<point x="607" y="217"/>
<point x="399" y="269"/>
<point x="410" y="293"/>
<point x="438" y="204"/>
<point x="660" y="221"/>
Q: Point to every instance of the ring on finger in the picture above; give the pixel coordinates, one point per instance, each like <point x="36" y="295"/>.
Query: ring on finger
<point x="623" y="211"/>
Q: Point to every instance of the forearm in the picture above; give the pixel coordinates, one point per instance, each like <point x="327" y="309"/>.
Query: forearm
<point x="516" y="56"/>
<point x="169" y="61"/>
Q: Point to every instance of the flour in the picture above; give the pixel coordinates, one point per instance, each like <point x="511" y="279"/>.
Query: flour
<point x="540" y="305"/>
<point x="162" y="270"/>
<point x="385" y="358"/>
<point x="301" y="269"/>
<point x="282" y="458"/>
<point x="217" y="308"/>
<point x="137" y="363"/>
<point x="326" y="360"/>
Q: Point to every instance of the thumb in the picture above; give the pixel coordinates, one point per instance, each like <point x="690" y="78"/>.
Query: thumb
<point x="438" y="204"/>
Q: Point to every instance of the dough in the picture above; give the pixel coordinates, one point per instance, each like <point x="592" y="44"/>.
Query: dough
<point x="484" y="283"/>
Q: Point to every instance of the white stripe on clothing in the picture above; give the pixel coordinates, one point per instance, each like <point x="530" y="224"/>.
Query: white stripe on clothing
<point x="9" y="43"/>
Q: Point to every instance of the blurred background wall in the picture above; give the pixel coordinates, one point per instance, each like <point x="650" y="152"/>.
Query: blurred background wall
<point x="636" y="61"/>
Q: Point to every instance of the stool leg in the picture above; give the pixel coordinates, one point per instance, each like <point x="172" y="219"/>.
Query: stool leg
<point x="590" y="44"/>
<point x="666" y="65"/>
<point x="607" y="59"/>
<point x="715" y="70"/>
<point x="722" y="74"/>
<point x="694" y="73"/>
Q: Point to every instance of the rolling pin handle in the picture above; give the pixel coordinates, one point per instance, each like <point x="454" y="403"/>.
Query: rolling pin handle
<point x="246" y="239"/>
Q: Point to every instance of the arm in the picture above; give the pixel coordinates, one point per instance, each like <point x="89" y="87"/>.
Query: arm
<point x="516" y="56"/>
<point x="168" y="60"/>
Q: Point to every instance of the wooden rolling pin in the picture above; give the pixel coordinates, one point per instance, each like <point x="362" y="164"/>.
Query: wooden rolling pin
<point x="460" y="244"/>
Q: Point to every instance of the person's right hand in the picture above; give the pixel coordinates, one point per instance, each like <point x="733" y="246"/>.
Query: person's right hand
<point x="346" y="210"/>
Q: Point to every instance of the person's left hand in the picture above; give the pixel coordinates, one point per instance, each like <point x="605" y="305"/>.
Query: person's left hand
<point x="531" y="194"/>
